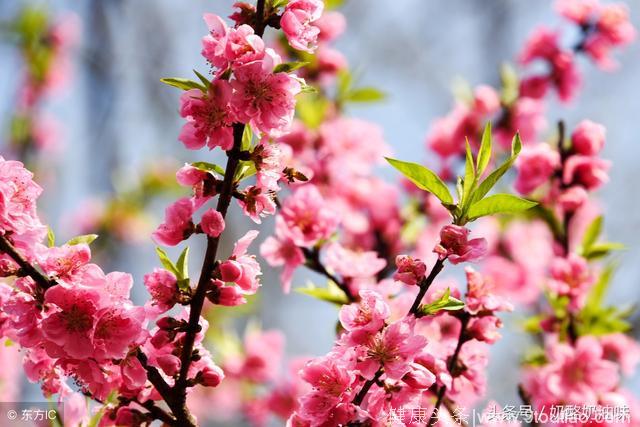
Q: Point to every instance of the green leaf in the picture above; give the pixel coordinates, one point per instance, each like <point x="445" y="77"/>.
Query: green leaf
<point x="445" y="302"/>
<point x="208" y="167"/>
<point x="423" y="178"/>
<point x="51" y="237"/>
<point x="345" y="81"/>
<point x="332" y="293"/>
<point x="510" y="84"/>
<point x="599" y="250"/>
<point x="247" y="138"/>
<point x="205" y="81"/>
<point x="312" y="110"/>
<point x="532" y="324"/>
<point x="484" y="154"/>
<point x="184" y="84"/>
<point x="182" y="266"/>
<point x="275" y="4"/>
<point x="365" y="94"/>
<point x="166" y="262"/>
<point x="487" y="184"/>
<point x="287" y="67"/>
<point x="499" y="203"/>
<point x="598" y="291"/>
<point x="245" y="170"/>
<point x="305" y="88"/>
<point x="469" y="177"/>
<point x="535" y="357"/>
<point x="592" y="233"/>
<point x="86" y="238"/>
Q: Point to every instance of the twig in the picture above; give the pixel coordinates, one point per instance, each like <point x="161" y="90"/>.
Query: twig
<point x="462" y="338"/>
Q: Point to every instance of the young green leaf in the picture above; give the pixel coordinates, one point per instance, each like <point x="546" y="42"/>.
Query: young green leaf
<point x="592" y="233"/>
<point x="331" y="293"/>
<point x="599" y="250"/>
<point x="208" y="167"/>
<point x="51" y="237"/>
<point x="469" y="177"/>
<point x="499" y="203"/>
<point x="423" y="178"/>
<point x="487" y="184"/>
<point x="205" y="81"/>
<point x="445" y="302"/>
<point x="184" y="84"/>
<point x="365" y="94"/>
<point x="247" y="137"/>
<point x="166" y="262"/>
<point x="87" y="239"/>
<point x="183" y="264"/>
<point x="484" y="154"/>
<point x="287" y="67"/>
<point x="345" y="81"/>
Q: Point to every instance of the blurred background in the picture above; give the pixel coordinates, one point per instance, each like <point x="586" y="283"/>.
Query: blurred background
<point x="116" y="118"/>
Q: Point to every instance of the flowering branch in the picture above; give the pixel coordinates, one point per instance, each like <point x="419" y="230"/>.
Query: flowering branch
<point x="27" y="268"/>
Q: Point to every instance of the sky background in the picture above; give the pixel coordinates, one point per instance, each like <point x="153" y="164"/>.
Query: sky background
<point x="118" y="117"/>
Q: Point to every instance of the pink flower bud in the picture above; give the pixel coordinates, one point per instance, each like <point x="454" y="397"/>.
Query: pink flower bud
<point x="572" y="198"/>
<point x="190" y="176"/>
<point x="169" y="363"/>
<point x="419" y="377"/>
<point x="211" y="376"/>
<point x="230" y="271"/>
<point x="212" y="223"/>
<point x="588" y="138"/>
<point x="410" y="270"/>
<point x="455" y="246"/>
<point x="535" y="166"/>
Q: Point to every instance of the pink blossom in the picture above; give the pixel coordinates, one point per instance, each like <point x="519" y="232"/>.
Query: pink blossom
<point x="394" y="348"/>
<point x="212" y="223"/>
<point x="331" y="24"/>
<point x="296" y="23"/>
<point x="410" y="270"/>
<point x="572" y="198"/>
<point x="486" y="100"/>
<point x="18" y="194"/>
<point x="163" y="287"/>
<point x="481" y="296"/>
<point x="226" y="295"/>
<point x="257" y="203"/>
<point x="269" y="161"/>
<point x="65" y="261"/>
<point x="307" y="217"/>
<point x="209" y="118"/>
<point x="588" y="171"/>
<point x="189" y="176"/>
<point x="329" y="375"/>
<point x="177" y="225"/>
<point x="263" y="352"/>
<point x="419" y="377"/>
<point x="214" y="44"/>
<point x="579" y="11"/>
<point x="243" y="45"/>
<point x="264" y="99"/>
<point x="116" y="329"/>
<point x="69" y="328"/>
<point x="247" y="267"/>
<point x="571" y="277"/>
<point x="535" y="165"/>
<point x="588" y="138"/>
<point x="282" y="251"/>
<point x="353" y="264"/>
<point x="369" y="314"/>
<point x="621" y="349"/>
<point x="577" y="374"/>
<point x="456" y="247"/>
<point x="485" y="328"/>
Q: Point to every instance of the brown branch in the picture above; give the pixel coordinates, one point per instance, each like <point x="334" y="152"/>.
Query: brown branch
<point x="424" y="286"/>
<point x="312" y="258"/>
<point x="462" y="338"/>
<point x="26" y="267"/>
